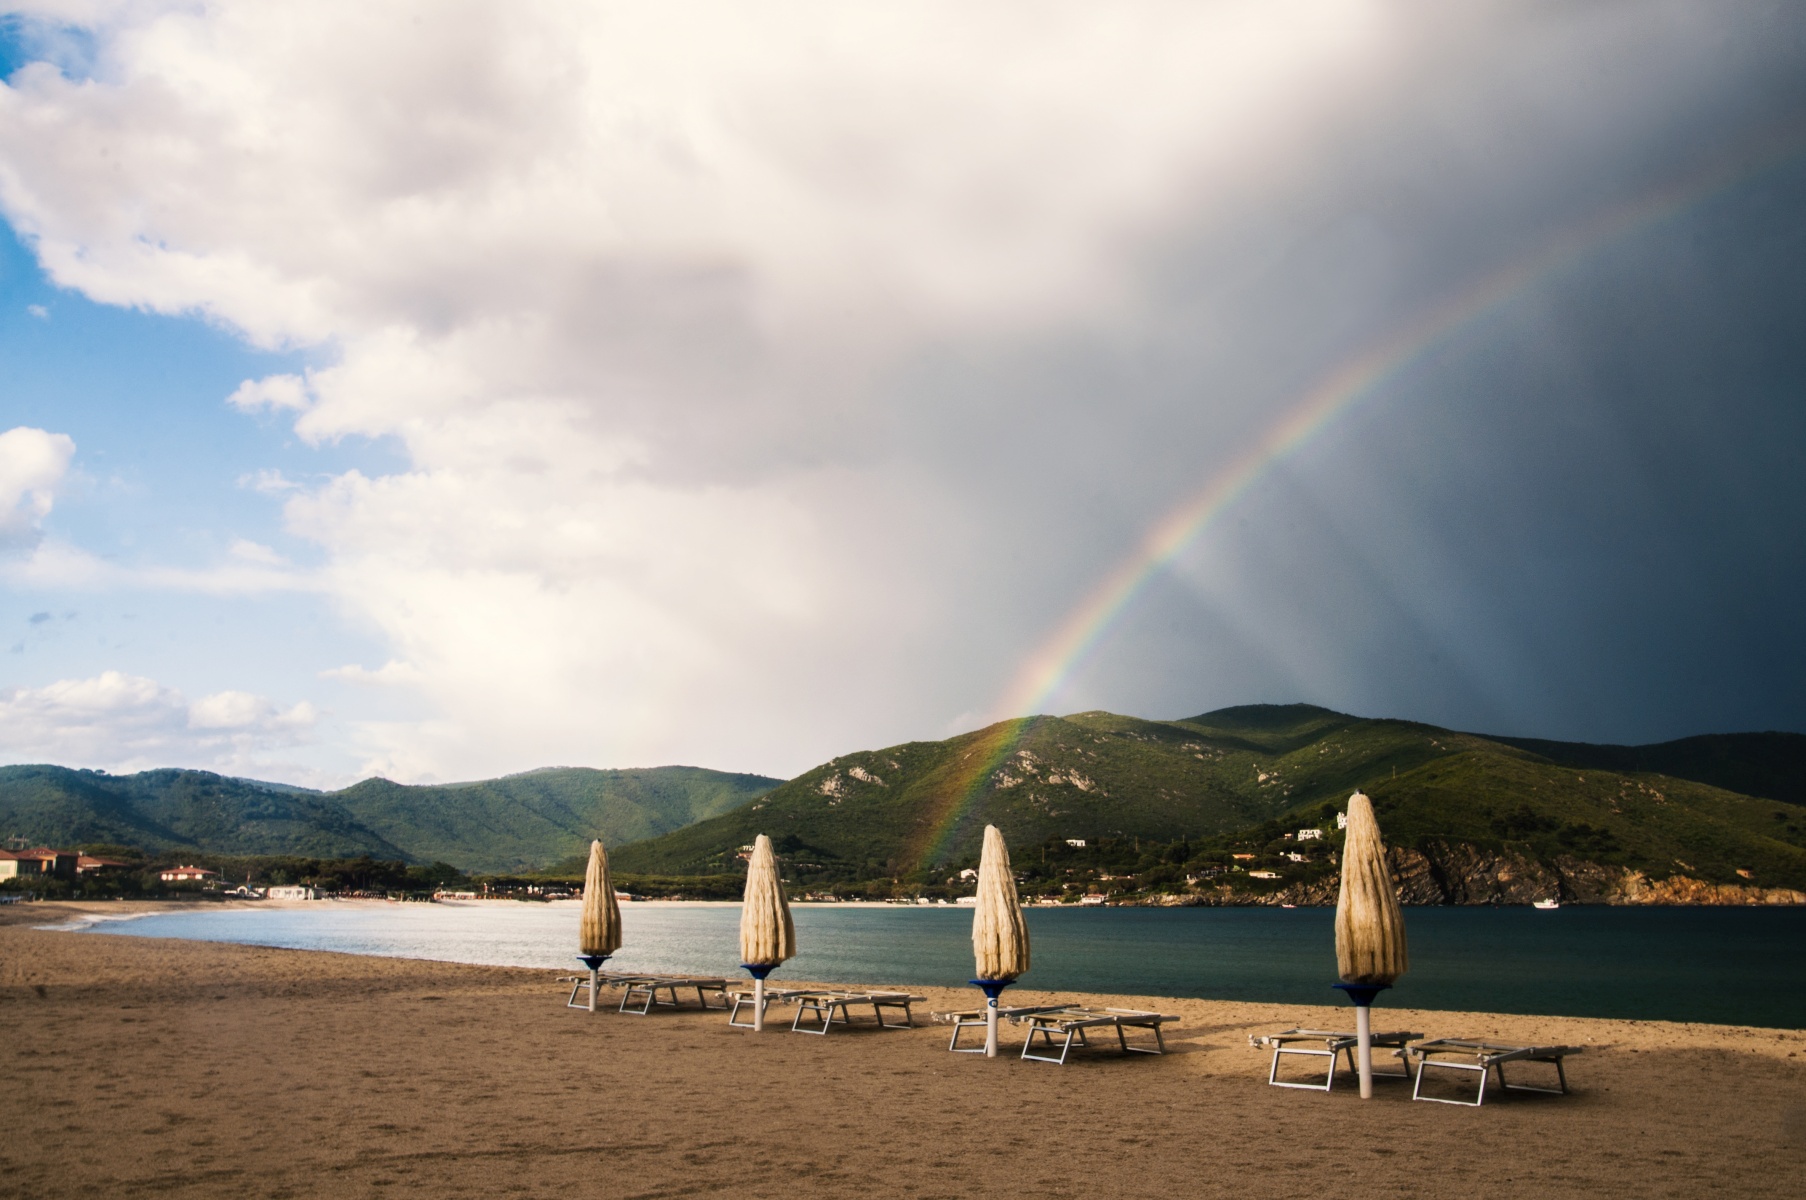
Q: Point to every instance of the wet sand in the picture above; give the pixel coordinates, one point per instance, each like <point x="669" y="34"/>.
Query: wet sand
<point x="141" y="1067"/>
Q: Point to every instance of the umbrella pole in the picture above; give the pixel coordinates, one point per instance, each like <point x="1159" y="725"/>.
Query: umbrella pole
<point x="758" y="971"/>
<point x="992" y="988"/>
<point x="594" y="963"/>
<point x="1362" y="994"/>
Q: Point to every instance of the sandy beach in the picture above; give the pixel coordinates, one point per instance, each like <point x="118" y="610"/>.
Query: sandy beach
<point x="146" y="1066"/>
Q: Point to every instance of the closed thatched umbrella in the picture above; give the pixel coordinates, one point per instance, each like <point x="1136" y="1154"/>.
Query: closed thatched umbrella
<point x="599" y="931"/>
<point x="767" y="934"/>
<point x="1370" y="929"/>
<point x="999" y="935"/>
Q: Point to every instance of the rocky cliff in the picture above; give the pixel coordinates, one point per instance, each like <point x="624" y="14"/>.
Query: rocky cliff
<point x="1459" y="873"/>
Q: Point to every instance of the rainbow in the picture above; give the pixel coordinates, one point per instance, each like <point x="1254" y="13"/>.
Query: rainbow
<point x="1086" y="626"/>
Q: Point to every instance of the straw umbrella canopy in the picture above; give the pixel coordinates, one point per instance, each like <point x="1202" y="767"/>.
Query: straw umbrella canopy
<point x="599" y="929"/>
<point x="1370" y="928"/>
<point x="767" y="934"/>
<point x="999" y="934"/>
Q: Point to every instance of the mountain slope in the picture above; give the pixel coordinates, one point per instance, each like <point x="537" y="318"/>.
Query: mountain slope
<point x="519" y="822"/>
<point x="1771" y="766"/>
<point x="168" y="810"/>
<point x="1230" y="776"/>
<point x="1090" y="775"/>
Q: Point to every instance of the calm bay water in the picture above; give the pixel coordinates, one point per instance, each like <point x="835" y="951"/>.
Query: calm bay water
<point x="1738" y="966"/>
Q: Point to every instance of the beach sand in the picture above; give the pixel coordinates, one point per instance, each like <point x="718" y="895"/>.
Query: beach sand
<point x="141" y="1066"/>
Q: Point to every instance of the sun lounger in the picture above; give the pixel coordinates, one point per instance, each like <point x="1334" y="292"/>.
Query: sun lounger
<point x="644" y="990"/>
<point x="1478" y="1057"/>
<point x="976" y="1018"/>
<point x="1067" y="1025"/>
<point x="745" y="999"/>
<point x="1327" y="1043"/>
<point x="580" y="986"/>
<point x="823" y="1006"/>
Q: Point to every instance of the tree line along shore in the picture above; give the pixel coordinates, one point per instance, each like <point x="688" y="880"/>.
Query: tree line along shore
<point x="1298" y="867"/>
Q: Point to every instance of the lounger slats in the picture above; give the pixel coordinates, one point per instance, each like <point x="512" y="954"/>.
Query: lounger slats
<point x="640" y="993"/>
<point x="1477" y="1056"/>
<point x="817" y="1011"/>
<point x="1067" y="1026"/>
<point x="979" y="1018"/>
<point x="1334" y="1043"/>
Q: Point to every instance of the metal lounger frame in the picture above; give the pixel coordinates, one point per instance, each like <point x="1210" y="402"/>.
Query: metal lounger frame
<point x="745" y="999"/>
<point x="580" y="984"/>
<point x="1493" y="1056"/>
<point x="977" y="1019"/>
<point x="1051" y="1024"/>
<point x="646" y="989"/>
<point x="824" y="1004"/>
<point x="1334" y="1045"/>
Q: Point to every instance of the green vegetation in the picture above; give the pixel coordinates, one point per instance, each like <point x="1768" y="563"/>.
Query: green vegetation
<point x="522" y="822"/>
<point x="138" y="876"/>
<point x="525" y="822"/>
<point x="1161" y="807"/>
<point x="1158" y="801"/>
<point x="157" y="810"/>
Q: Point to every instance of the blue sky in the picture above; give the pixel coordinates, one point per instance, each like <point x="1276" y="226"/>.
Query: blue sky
<point x="628" y="397"/>
<point x="164" y="477"/>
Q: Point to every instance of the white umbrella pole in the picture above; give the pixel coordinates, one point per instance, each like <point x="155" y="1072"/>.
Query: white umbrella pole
<point x="594" y="972"/>
<point x="991" y="1027"/>
<point x="759" y="1005"/>
<point x="1364" y="1031"/>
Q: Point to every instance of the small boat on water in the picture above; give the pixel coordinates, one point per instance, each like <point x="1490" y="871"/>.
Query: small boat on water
<point x="1550" y="903"/>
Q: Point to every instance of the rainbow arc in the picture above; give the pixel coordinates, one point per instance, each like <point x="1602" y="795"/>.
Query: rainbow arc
<point x="1305" y="419"/>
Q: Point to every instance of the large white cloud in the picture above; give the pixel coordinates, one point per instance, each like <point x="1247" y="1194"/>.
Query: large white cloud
<point x="772" y="378"/>
<point x="127" y="722"/>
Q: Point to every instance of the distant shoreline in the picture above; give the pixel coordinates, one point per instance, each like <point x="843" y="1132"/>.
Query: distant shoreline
<point x="83" y="913"/>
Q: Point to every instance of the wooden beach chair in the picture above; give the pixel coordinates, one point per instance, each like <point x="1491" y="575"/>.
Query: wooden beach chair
<point x="1326" y="1043"/>
<point x="1069" y="1024"/>
<point x="1477" y="1057"/>
<point x="976" y="1018"/>
<point x="820" y="1006"/>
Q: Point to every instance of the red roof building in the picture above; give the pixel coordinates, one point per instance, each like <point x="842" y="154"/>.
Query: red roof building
<point x="87" y="864"/>
<point x="39" y="861"/>
<point x="188" y="875"/>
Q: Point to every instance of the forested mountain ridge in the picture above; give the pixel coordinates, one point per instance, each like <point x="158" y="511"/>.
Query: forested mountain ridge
<point x="519" y="822"/>
<point x="1243" y="775"/>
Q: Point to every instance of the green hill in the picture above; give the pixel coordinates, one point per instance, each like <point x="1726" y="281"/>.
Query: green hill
<point x="1240" y="776"/>
<point x="167" y="810"/>
<point x="1771" y="766"/>
<point x="520" y="822"/>
<point x="1154" y="802"/>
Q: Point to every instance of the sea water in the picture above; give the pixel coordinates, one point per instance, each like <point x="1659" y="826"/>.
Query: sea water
<point x="1738" y="966"/>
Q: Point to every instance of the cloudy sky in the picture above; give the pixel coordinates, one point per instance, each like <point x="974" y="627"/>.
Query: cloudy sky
<point x="451" y="388"/>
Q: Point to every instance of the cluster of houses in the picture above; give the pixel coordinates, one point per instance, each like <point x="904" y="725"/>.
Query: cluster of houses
<point x="43" y="862"/>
